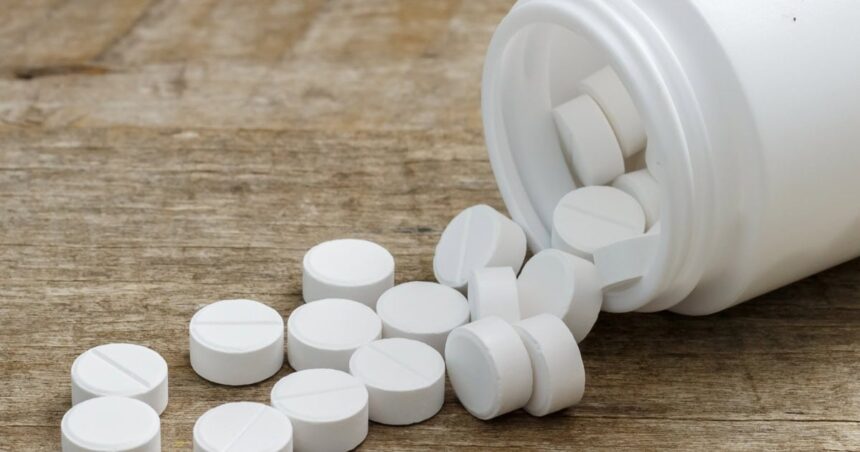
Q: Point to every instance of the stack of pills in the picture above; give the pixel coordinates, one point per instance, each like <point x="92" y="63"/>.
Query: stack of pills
<point x="505" y="331"/>
<point x="613" y="219"/>
<point x="118" y="393"/>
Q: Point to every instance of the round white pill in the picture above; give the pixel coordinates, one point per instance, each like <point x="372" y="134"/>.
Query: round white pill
<point x="489" y="368"/>
<point x="623" y="263"/>
<point x="493" y="292"/>
<point x="557" y="369"/>
<point x="423" y="311"/>
<point x="127" y="370"/>
<point x="642" y="186"/>
<point x="589" y="218"/>
<point x="236" y="342"/>
<point x="405" y="380"/>
<point x="477" y="237"/>
<point x="111" y="423"/>
<point x="589" y="141"/>
<point x="243" y="426"/>
<point x="606" y="88"/>
<point x="348" y="268"/>
<point x="323" y="334"/>
<point x="564" y="285"/>
<point x="328" y="409"/>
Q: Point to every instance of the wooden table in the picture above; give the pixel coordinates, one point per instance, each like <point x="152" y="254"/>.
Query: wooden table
<point x="160" y="155"/>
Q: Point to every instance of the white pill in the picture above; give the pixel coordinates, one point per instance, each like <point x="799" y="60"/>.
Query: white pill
<point x="423" y="311"/>
<point x="493" y="292"/>
<point x="127" y="370"/>
<point x="623" y="263"/>
<point x="489" y="367"/>
<point x="405" y="380"/>
<point x="642" y="186"/>
<point x="557" y="369"/>
<point x="236" y="342"/>
<point x="564" y="285"/>
<point x="353" y="269"/>
<point x="589" y="218"/>
<point x="111" y="424"/>
<point x="243" y="426"/>
<point x="606" y="88"/>
<point x="323" y="334"/>
<point x="589" y="141"/>
<point x="477" y="237"/>
<point x="328" y="409"/>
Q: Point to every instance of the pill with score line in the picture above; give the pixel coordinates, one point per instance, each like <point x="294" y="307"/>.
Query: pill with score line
<point x="328" y="409"/>
<point x="405" y="380"/>
<point x="236" y="342"/>
<point x="477" y="237"/>
<point x="589" y="218"/>
<point x="128" y="370"/>
<point x="243" y="426"/>
<point x="325" y="333"/>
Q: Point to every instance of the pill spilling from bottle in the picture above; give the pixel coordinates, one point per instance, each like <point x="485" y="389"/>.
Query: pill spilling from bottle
<point x="505" y="330"/>
<point x="593" y="194"/>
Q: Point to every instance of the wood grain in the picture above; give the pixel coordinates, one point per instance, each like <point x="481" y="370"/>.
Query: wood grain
<point x="160" y="155"/>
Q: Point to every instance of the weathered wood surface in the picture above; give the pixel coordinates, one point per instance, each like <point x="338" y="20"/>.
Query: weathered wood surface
<point x="159" y="155"/>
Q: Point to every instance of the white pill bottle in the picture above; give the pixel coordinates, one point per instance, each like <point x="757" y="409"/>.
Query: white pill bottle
<point x="752" y="114"/>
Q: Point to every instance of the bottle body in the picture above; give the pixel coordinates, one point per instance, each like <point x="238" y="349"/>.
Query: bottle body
<point x="752" y="110"/>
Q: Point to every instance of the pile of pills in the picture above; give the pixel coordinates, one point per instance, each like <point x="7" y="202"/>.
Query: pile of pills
<point x="504" y="331"/>
<point x="613" y="219"/>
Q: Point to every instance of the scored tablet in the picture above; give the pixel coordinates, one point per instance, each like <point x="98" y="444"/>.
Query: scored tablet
<point x="325" y="333"/>
<point x="243" y="426"/>
<point x="327" y="408"/>
<point x="405" y="380"/>
<point x="236" y="342"/>
<point x="128" y="370"/>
